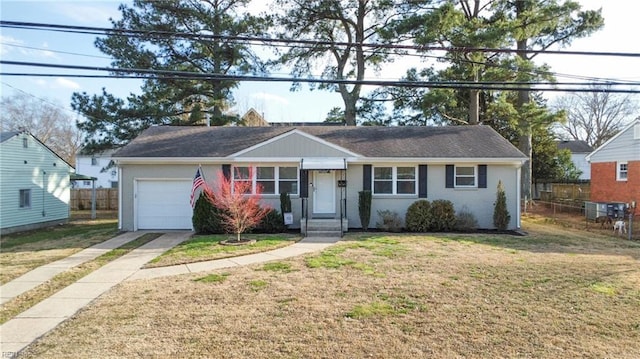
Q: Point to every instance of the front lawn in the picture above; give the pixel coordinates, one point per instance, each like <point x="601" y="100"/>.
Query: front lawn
<point x="22" y="252"/>
<point x="207" y="247"/>
<point x="559" y="292"/>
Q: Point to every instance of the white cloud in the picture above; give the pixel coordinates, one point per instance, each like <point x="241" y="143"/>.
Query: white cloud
<point x="93" y="13"/>
<point x="269" y="98"/>
<point x="66" y="83"/>
<point x="7" y="41"/>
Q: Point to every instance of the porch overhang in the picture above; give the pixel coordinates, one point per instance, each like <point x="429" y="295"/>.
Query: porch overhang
<point x="323" y="163"/>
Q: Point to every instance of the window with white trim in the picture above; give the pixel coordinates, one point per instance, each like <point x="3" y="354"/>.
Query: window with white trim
<point x="272" y="179"/>
<point x="25" y="198"/>
<point x="622" y="171"/>
<point x="465" y="176"/>
<point x="394" y="180"/>
<point x="94" y="161"/>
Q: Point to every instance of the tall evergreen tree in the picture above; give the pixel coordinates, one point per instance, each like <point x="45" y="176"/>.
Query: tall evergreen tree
<point x="171" y="36"/>
<point x="356" y="22"/>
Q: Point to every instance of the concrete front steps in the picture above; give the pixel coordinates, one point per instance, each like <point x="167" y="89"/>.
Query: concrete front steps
<point x="323" y="227"/>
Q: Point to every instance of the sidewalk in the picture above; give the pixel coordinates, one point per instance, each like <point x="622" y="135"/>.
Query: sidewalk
<point x="39" y="275"/>
<point x="31" y="324"/>
<point x="19" y="332"/>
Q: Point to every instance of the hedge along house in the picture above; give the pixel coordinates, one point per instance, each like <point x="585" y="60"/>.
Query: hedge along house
<point x="322" y="167"/>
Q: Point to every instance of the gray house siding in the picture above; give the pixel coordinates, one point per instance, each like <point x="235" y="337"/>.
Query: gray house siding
<point x="295" y="144"/>
<point x="479" y="201"/>
<point x="623" y="147"/>
<point x="43" y="173"/>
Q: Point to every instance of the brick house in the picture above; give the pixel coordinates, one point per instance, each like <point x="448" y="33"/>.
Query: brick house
<point x="615" y="167"/>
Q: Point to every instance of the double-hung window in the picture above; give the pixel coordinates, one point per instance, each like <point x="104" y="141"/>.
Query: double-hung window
<point x="394" y="180"/>
<point x="622" y="171"/>
<point x="25" y="198"/>
<point x="271" y="179"/>
<point x="465" y="176"/>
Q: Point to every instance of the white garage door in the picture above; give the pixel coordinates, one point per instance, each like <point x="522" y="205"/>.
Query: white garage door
<point x="164" y="204"/>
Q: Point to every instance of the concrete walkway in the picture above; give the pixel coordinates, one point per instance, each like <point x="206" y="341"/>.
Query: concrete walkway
<point x="17" y="333"/>
<point x="39" y="275"/>
<point x="306" y="245"/>
<point x="31" y="324"/>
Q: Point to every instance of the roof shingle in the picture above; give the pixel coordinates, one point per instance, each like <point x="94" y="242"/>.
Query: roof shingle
<point x="368" y="141"/>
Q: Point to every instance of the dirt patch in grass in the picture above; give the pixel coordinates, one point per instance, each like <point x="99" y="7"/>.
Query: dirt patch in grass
<point x="28" y="299"/>
<point x="208" y="247"/>
<point x="22" y="252"/>
<point x="555" y="293"/>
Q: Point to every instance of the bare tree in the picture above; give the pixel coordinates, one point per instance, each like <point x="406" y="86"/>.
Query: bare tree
<point x="595" y="116"/>
<point x="45" y="120"/>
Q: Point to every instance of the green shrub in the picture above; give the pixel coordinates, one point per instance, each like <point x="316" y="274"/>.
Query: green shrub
<point x="501" y="216"/>
<point x="272" y="222"/>
<point x="285" y="203"/>
<point x="389" y="221"/>
<point x="443" y="216"/>
<point x="206" y="217"/>
<point x="418" y="217"/>
<point x="465" y="220"/>
<point x="364" y="208"/>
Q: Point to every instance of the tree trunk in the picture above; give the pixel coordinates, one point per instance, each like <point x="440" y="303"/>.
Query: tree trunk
<point x="524" y="140"/>
<point x="474" y="107"/>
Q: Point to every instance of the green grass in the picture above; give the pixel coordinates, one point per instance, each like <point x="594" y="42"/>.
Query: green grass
<point x="212" y="278"/>
<point x="277" y="267"/>
<point x="202" y="248"/>
<point x="258" y="284"/>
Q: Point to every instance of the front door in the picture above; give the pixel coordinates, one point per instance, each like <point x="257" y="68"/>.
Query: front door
<point x="324" y="192"/>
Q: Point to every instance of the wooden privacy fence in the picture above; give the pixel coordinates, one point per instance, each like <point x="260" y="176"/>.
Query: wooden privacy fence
<point x="106" y="199"/>
<point x="575" y="192"/>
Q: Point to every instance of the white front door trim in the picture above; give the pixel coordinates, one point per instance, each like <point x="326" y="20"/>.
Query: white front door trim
<point x="324" y="192"/>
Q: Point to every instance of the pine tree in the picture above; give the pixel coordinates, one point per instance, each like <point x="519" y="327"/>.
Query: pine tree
<point x="501" y="216"/>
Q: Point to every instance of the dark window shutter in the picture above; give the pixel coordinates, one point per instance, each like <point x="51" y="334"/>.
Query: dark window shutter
<point x="366" y="177"/>
<point x="304" y="184"/>
<point x="449" y="176"/>
<point x="482" y="176"/>
<point x="422" y="181"/>
<point x="226" y="171"/>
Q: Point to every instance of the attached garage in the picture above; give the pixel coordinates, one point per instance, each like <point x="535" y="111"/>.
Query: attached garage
<point x="163" y="204"/>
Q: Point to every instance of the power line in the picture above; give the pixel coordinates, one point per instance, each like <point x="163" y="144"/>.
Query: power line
<point x="258" y="39"/>
<point x="54" y="51"/>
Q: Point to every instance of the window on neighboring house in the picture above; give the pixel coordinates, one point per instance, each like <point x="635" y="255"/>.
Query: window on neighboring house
<point x="87" y="183"/>
<point x="622" y="171"/>
<point x="25" y="198"/>
<point x="114" y="184"/>
<point x="25" y="142"/>
<point x="394" y="180"/>
<point x="273" y="180"/>
<point x="465" y="176"/>
<point x="94" y="161"/>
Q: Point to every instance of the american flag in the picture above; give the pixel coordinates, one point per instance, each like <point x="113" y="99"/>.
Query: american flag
<point x="198" y="181"/>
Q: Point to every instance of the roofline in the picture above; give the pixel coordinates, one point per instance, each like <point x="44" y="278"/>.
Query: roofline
<point x="631" y="124"/>
<point x="291" y="133"/>
<point x="514" y="161"/>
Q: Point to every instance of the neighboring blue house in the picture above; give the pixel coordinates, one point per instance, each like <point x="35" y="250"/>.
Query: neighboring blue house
<point x="34" y="184"/>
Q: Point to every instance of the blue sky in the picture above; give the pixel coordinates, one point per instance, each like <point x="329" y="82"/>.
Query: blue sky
<point x="274" y="100"/>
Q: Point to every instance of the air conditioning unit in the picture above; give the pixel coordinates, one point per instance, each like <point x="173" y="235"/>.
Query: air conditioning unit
<point x="598" y="209"/>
